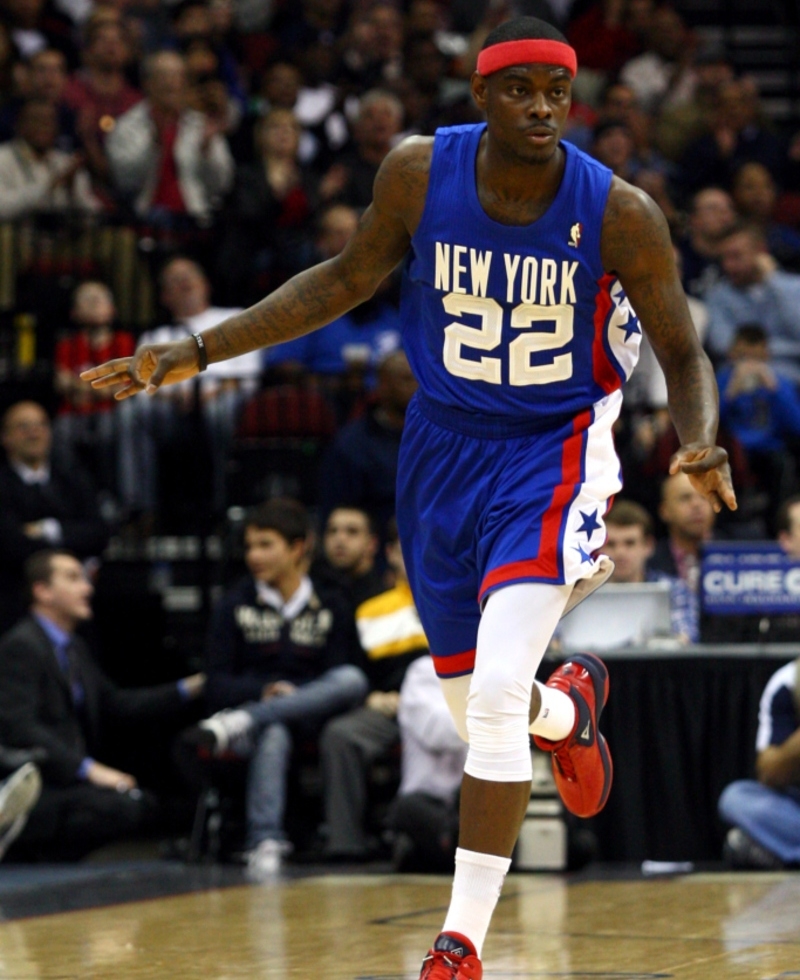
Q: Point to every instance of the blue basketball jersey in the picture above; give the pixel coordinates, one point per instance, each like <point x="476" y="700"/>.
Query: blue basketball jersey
<point x="514" y="321"/>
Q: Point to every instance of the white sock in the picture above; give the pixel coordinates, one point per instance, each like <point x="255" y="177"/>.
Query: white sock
<point x="556" y="717"/>
<point x="477" y="885"/>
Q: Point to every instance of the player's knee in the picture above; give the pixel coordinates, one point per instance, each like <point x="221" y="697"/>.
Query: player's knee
<point x="497" y="694"/>
<point x="497" y="724"/>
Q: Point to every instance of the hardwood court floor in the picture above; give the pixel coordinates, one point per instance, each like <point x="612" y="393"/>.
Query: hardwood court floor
<point x="360" y="927"/>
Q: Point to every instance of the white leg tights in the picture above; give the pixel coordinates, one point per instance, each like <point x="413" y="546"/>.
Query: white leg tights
<point x="491" y="707"/>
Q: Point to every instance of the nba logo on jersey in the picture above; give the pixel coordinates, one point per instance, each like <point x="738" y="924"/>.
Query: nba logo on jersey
<point x="575" y="234"/>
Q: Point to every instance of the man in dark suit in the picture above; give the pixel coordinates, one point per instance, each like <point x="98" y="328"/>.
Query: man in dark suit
<point x="54" y="696"/>
<point x="42" y="504"/>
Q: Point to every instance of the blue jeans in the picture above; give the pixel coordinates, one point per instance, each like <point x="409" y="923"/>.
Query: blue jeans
<point x="335" y="691"/>
<point x="771" y="817"/>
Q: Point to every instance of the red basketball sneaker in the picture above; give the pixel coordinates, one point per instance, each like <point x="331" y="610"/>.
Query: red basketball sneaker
<point x="582" y="765"/>
<point x="453" y="957"/>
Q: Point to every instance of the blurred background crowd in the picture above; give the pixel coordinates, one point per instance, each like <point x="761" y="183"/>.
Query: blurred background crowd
<point x="163" y="165"/>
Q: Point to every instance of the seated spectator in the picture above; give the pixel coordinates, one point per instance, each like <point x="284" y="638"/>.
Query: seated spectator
<point x="42" y="502"/>
<point x="350" y="543"/>
<point x="755" y="194"/>
<point x="47" y="80"/>
<point x="423" y="86"/>
<point x="343" y="356"/>
<point x="308" y="31"/>
<point x="392" y="638"/>
<point x="358" y="69"/>
<point x="620" y="106"/>
<point x="336" y="225"/>
<point x="616" y="105"/>
<point x="268" y="213"/>
<point x="99" y="92"/>
<point x="663" y="75"/>
<point x="765" y="811"/>
<point x="689" y="519"/>
<point x="754" y="291"/>
<point x="739" y="133"/>
<point x="630" y="544"/>
<point x="612" y="144"/>
<point x="86" y="424"/>
<point x="281" y="86"/>
<point x="35" y="177"/>
<point x="711" y="215"/>
<point x="359" y="468"/>
<point x="761" y="408"/>
<point x="280" y="664"/>
<point x="653" y="180"/>
<point x="207" y="91"/>
<point x="388" y="27"/>
<point x="424" y="815"/>
<point x="678" y="126"/>
<point x="54" y="696"/>
<point x="200" y="30"/>
<point x="149" y="423"/>
<point x="378" y="123"/>
<point x="172" y="162"/>
<point x="607" y="35"/>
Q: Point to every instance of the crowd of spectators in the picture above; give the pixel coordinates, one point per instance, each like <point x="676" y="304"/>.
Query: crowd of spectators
<point x="221" y="147"/>
<point x="163" y="165"/>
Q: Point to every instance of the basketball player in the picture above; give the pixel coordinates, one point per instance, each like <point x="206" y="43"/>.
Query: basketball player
<point x="524" y="262"/>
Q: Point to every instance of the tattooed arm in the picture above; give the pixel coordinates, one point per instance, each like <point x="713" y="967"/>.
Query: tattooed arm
<point x="307" y="301"/>
<point x="636" y="247"/>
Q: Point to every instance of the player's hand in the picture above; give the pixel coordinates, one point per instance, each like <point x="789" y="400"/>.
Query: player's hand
<point x="152" y="366"/>
<point x="709" y="472"/>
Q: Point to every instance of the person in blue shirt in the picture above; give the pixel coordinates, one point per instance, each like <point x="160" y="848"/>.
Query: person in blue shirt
<point x="760" y="407"/>
<point x="754" y="290"/>
<point x="523" y="262"/>
<point x="357" y="341"/>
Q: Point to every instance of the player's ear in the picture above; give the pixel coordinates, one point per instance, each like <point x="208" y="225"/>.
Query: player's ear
<point x="478" y="86"/>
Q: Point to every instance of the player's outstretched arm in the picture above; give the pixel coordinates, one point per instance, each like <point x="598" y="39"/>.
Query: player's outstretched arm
<point x="636" y="246"/>
<point x="307" y="301"/>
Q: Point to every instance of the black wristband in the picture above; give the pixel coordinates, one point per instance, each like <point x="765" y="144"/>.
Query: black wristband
<point x="202" y="352"/>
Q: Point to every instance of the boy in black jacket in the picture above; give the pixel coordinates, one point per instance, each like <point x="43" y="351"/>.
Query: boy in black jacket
<point x="278" y="658"/>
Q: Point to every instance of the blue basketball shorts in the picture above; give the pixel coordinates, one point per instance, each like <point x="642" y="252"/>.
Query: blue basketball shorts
<point x="477" y="512"/>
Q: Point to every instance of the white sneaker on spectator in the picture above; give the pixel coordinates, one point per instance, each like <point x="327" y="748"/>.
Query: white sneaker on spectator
<point x="18" y="796"/>
<point x="265" y="860"/>
<point x="227" y="732"/>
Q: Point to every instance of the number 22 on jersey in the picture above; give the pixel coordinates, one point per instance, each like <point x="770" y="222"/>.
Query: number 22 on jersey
<point x="488" y="337"/>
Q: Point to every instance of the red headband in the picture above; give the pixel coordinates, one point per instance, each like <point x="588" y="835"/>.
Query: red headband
<point x="531" y="51"/>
